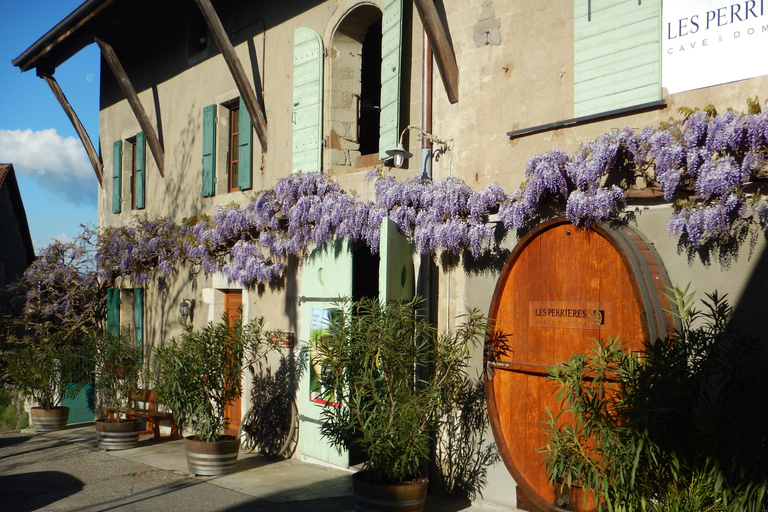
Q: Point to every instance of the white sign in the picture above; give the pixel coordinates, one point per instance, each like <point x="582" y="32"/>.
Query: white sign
<point x="711" y="42"/>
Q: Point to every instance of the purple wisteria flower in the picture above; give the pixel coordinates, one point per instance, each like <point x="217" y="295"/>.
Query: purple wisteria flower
<point x="587" y="208"/>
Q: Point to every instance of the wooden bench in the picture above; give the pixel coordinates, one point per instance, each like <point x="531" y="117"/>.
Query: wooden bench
<point x="145" y="405"/>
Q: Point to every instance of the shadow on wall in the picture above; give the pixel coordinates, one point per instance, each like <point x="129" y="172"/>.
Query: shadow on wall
<point x="271" y="417"/>
<point x="463" y="454"/>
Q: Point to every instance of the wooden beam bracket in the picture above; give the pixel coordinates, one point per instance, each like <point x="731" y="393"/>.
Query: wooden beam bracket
<point x="236" y="68"/>
<point x="444" y="55"/>
<point x="93" y="156"/>
<point x="133" y="100"/>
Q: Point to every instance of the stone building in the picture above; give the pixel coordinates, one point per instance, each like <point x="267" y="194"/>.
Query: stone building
<point x="204" y="104"/>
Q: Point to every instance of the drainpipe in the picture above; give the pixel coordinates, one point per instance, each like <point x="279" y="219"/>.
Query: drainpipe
<point x="424" y="284"/>
<point x="426" y="108"/>
<point x="425" y="271"/>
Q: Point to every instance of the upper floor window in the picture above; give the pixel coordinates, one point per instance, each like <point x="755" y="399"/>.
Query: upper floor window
<point x="365" y="73"/>
<point x="233" y="151"/>
<point x="236" y="136"/>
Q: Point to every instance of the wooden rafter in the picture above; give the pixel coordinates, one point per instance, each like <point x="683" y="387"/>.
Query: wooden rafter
<point x="236" y="68"/>
<point x="444" y="56"/>
<point x="133" y="100"/>
<point x="93" y="156"/>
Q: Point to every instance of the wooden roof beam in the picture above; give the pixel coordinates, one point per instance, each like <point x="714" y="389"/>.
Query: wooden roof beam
<point x="93" y="156"/>
<point x="444" y="56"/>
<point x="133" y="100"/>
<point x="236" y="68"/>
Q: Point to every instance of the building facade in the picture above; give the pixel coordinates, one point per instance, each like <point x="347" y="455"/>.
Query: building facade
<point x="210" y="103"/>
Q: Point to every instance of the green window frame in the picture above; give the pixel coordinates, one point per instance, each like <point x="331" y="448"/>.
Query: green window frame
<point x="209" y="151"/>
<point x="117" y="176"/>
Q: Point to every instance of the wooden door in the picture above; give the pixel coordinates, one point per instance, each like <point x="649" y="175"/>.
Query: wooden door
<point x="562" y="288"/>
<point x="232" y="302"/>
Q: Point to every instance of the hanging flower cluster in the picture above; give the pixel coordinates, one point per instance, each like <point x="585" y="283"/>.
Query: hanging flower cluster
<point x="702" y="163"/>
<point x="252" y="244"/>
<point x="439" y="215"/>
<point x="136" y="251"/>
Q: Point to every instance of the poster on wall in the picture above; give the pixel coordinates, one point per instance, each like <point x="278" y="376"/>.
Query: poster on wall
<point x="712" y="42"/>
<point x="319" y="327"/>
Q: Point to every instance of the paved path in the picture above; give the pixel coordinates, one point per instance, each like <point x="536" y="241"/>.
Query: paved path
<point x="65" y="471"/>
<point x="46" y="473"/>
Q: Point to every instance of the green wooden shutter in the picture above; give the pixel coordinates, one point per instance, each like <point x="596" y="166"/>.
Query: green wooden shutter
<point x="113" y="310"/>
<point x="245" y="152"/>
<point x="391" y="44"/>
<point x="307" y="100"/>
<point x="117" y="175"/>
<point x="141" y="163"/>
<point x="138" y="318"/>
<point x="617" y="54"/>
<point x="209" y="150"/>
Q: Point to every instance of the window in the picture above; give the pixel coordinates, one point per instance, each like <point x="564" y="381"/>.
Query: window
<point x="617" y="55"/>
<point x="233" y="153"/>
<point x="238" y="131"/>
<point x="125" y="313"/>
<point x="365" y="86"/>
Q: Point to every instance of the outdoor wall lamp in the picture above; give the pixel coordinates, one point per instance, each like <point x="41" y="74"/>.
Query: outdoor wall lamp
<point x="186" y="308"/>
<point x="400" y="155"/>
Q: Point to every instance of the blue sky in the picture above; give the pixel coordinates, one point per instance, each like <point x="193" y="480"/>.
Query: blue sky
<point x="57" y="182"/>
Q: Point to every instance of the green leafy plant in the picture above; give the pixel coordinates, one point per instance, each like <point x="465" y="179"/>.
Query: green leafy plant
<point x="391" y="373"/>
<point x="671" y="428"/>
<point x="200" y="373"/>
<point x="45" y="370"/>
<point x="118" y="365"/>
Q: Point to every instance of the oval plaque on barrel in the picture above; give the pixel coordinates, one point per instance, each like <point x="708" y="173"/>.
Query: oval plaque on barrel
<point x="561" y="288"/>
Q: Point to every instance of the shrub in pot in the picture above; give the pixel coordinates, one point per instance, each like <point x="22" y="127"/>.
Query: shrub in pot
<point x="198" y="375"/>
<point x="46" y="371"/>
<point x="118" y="367"/>
<point x="387" y="374"/>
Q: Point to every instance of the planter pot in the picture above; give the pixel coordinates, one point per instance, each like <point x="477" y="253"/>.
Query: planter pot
<point x="117" y="435"/>
<point x="399" y="497"/>
<point x="207" y="458"/>
<point x="47" y="420"/>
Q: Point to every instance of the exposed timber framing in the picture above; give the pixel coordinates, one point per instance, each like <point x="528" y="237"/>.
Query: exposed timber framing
<point x="93" y="156"/>
<point x="236" y="68"/>
<point x="133" y="100"/>
<point x="444" y="56"/>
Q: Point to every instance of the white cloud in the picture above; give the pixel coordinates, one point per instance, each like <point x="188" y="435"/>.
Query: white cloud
<point x="57" y="163"/>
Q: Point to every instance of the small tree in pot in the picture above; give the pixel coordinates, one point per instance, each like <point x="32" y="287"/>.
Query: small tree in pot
<point x="199" y="374"/>
<point x="387" y="374"/>
<point x="118" y="366"/>
<point x="46" y="371"/>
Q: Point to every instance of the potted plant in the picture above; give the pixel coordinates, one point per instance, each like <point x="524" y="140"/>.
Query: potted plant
<point x="118" y="365"/>
<point x="386" y="375"/>
<point x="198" y="375"/>
<point x="46" y="371"/>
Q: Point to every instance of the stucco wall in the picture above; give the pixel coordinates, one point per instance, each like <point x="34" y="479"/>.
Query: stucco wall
<point x="515" y="61"/>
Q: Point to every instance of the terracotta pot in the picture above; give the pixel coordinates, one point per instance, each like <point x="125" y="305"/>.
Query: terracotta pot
<point x="118" y="435"/>
<point x="398" y="497"/>
<point x="207" y="458"/>
<point x="47" y="420"/>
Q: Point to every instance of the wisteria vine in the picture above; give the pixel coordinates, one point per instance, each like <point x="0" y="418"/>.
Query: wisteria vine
<point x="703" y="164"/>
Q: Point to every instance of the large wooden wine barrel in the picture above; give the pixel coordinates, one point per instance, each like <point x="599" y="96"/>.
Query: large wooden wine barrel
<point x="560" y="289"/>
